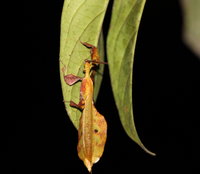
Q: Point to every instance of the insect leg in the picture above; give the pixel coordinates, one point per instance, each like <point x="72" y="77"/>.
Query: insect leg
<point x="71" y="79"/>
<point x="80" y="105"/>
<point x="88" y="45"/>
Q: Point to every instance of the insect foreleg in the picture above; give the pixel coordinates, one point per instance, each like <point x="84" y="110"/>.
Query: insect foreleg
<point x="80" y="105"/>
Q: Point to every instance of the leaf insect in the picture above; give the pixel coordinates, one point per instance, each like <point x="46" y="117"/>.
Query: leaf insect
<point x="92" y="132"/>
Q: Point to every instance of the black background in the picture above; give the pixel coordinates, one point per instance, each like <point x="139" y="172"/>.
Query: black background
<point x="165" y="90"/>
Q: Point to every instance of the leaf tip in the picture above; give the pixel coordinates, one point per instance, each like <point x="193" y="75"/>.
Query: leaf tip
<point x="146" y="150"/>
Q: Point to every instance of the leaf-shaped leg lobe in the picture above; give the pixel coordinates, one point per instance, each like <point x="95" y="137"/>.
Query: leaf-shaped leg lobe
<point x="71" y="79"/>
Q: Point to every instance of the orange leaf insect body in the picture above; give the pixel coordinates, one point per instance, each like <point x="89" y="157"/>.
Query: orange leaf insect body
<point x="92" y="130"/>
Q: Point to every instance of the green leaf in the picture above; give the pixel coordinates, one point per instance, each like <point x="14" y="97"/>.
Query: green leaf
<point x="81" y="21"/>
<point x="191" y="27"/>
<point x="121" y="42"/>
